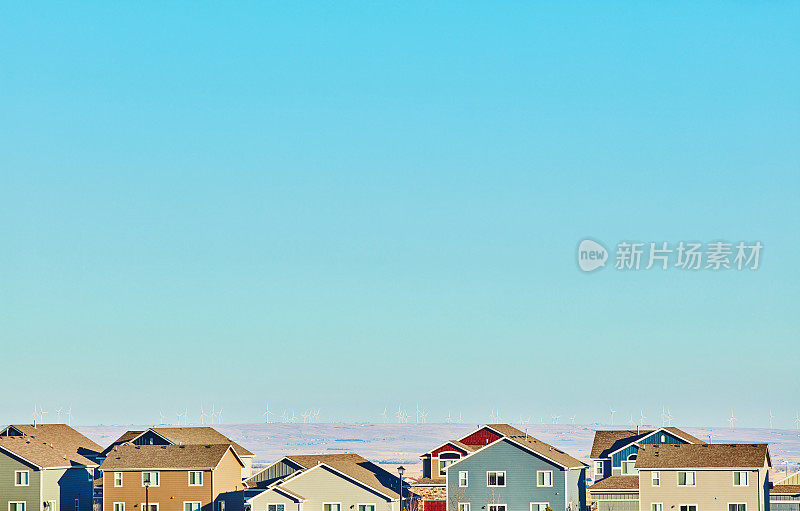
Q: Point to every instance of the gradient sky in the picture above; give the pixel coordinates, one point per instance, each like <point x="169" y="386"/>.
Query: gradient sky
<point x="350" y="206"/>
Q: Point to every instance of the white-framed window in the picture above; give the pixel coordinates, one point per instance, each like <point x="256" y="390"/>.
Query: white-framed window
<point x="657" y="506"/>
<point x="740" y="478"/>
<point x="366" y="507"/>
<point x="153" y="506"/>
<point x="539" y="506"/>
<point x="220" y="505"/>
<point x="463" y="479"/>
<point x="195" y="478"/>
<point x="629" y="466"/>
<point x="443" y="464"/>
<point x="19" y="505"/>
<point x="276" y="507"/>
<point x="51" y="505"/>
<point x="598" y="469"/>
<point x="463" y="506"/>
<point x="150" y="477"/>
<point x="22" y="478"/>
<point x="77" y="504"/>
<point x="117" y="479"/>
<point x="497" y="507"/>
<point x="119" y="506"/>
<point x="496" y="478"/>
<point x="544" y="478"/>
<point x="655" y="478"/>
<point x="688" y="507"/>
<point x="332" y="506"/>
<point x="663" y="438"/>
<point x="191" y="506"/>
<point x="737" y="506"/>
<point x="686" y="479"/>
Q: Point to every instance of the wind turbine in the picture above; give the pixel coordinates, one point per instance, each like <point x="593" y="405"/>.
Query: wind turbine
<point x="202" y="414"/>
<point x="283" y="415"/>
<point x="612" y="414"/>
<point x="267" y="413"/>
<point x="58" y="414"/>
<point x="459" y="418"/>
<point x="732" y="419"/>
<point x="555" y="419"/>
<point x="399" y="414"/>
<point x="293" y="418"/>
<point x="797" y="421"/>
<point x="315" y="414"/>
<point x="69" y="416"/>
<point x="572" y="419"/>
<point x="641" y="417"/>
<point x="179" y="414"/>
<point x="186" y="416"/>
<point x="306" y="415"/>
<point x="631" y="421"/>
<point x="213" y="413"/>
<point x="770" y="419"/>
<point x="161" y="416"/>
<point x="669" y="417"/>
<point x="219" y="416"/>
<point x="42" y="413"/>
<point x="448" y="419"/>
<point x="383" y="415"/>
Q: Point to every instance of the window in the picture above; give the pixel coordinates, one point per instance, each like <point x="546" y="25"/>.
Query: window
<point x="688" y="507"/>
<point x="275" y="507"/>
<point x="22" y="478"/>
<point x="51" y="505"/>
<point x="494" y="478"/>
<point x="17" y="506"/>
<point x="686" y="479"/>
<point x="656" y="506"/>
<point x="443" y="464"/>
<point x="220" y="505"/>
<point x="366" y="507"/>
<point x="629" y="466"/>
<point x="119" y="506"/>
<point x="539" y="506"/>
<point x="117" y="479"/>
<point x="737" y="507"/>
<point x="497" y="507"/>
<point x="195" y="478"/>
<point x="153" y="506"/>
<point x="544" y="478"/>
<point x="150" y="478"/>
<point x="463" y="479"/>
<point x="598" y="469"/>
<point x="331" y="507"/>
<point x="655" y="479"/>
<point x="77" y="504"/>
<point x="663" y="439"/>
<point x="463" y="506"/>
<point x="740" y="478"/>
<point x="190" y="506"/>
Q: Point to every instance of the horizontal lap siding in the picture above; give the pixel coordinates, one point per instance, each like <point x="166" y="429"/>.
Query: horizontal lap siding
<point x="269" y="474"/>
<point x="170" y="495"/>
<point x="520" y="489"/>
<point x="9" y="492"/>
<point x="618" y="505"/>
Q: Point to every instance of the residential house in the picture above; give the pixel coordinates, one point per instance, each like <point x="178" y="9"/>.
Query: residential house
<point x="169" y="477"/>
<point x="325" y="482"/>
<point x="46" y="467"/>
<point x="690" y="477"/>
<point x="194" y="435"/>
<point x="614" y="451"/>
<point x="785" y="494"/>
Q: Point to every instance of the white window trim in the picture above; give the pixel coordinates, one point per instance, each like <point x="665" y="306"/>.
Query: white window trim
<point x="602" y="468"/>
<point x="497" y="507"/>
<point x="279" y="504"/>
<point x="23" y="502"/>
<point x="657" y="503"/>
<point x="546" y="504"/>
<point x="653" y="482"/>
<point x="733" y="480"/>
<point x="331" y="504"/>
<point x="120" y="480"/>
<point x="544" y="485"/>
<point x="679" y="485"/>
<point x="467" y="508"/>
<point x="738" y="504"/>
<point x="495" y="485"/>
<point x="27" y="478"/>
<point x="51" y="505"/>
<point x="696" y="507"/>
<point x="190" y="480"/>
<point x="465" y="473"/>
<point x="115" y="504"/>
<point x="158" y="479"/>
<point x="374" y="506"/>
<point x="200" y="504"/>
<point x="143" y="506"/>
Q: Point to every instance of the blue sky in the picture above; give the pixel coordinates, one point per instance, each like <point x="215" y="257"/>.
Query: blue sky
<point x="350" y="206"/>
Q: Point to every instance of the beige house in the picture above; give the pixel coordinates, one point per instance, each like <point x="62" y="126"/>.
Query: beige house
<point x="785" y="494"/>
<point x="703" y="477"/>
<point x="327" y="482"/>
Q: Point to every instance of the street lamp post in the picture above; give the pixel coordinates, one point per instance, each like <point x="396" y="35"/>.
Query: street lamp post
<point x="400" y="471"/>
<point x="146" y="496"/>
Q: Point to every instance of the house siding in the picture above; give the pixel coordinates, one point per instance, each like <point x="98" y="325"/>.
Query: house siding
<point x="273" y="473"/>
<point x="66" y="485"/>
<point x="520" y="490"/>
<point x="173" y="490"/>
<point x="260" y="501"/>
<point x="714" y="490"/>
<point x="320" y="485"/>
<point x="10" y="493"/>
<point x="652" y="439"/>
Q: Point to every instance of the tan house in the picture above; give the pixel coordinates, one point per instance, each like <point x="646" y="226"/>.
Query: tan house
<point x="785" y="494"/>
<point x="172" y="478"/>
<point x="325" y="482"/>
<point x="704" y="477"/>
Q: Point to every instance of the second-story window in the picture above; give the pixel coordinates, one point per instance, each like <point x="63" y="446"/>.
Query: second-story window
<point x="598" y="469"/>
<point x="195" y="478"/>
<point x="496" y="478"/>
<point x="686" y="479"/>
<point x="117" y="479"/>
<point x="463" y="479"/>
<point x="655" y="478"/>
<point x="275" y="507"/>
<point x="544" y="478"/>
<point x="629" y="465"/>
<point x="740" y="478"/>
<point x="22" y="478"/>
<point x="150" y="479"/>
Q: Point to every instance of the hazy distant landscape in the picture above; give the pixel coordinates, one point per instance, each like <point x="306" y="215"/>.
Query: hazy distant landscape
<point x="391" y="444"/>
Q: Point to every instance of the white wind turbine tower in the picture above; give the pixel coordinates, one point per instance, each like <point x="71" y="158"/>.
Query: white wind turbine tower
<point x="42" y="413"/>
<point x="69" y="416"/>
<point x="459" y="418"/>
<point x="732" y="419"/>
<point x="612" y="414"/>
<point x="383" y="415"/>
<point x="58" y="414"/>
<point x="315" y="415"/>
<point x="180" y="415"/>
<point x="631" y="421"/>
<point x="306" y="415"/>
<point x="203" y="414"/>
<point x="448" y="419"/>
<point x="423" y="415"/>
<point x="213" y="413"/>
<point x="284" y="415"/>
<point x="399" y="414"/>
<point x="267" y="413"/>
<point x="555" y="419"/>
<point x="161" y="416"/>
<point x="770" y="419"/>
<point x="186" y="416"/>
<point x="36" y="414"/>
<point x="219" y="416"/>
<point x="641" y="417"/>
<point x="669" y="417"/>
<point x="797" y="421"/>
<point x="572" y="420"/>
<point x="293" y="418"/>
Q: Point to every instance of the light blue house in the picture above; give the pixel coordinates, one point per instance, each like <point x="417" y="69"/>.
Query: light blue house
<point x="516" y="473"/>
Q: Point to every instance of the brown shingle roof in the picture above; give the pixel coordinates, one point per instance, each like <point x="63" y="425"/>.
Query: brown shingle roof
<point x="785" y="489"/>
<point x="200" y="435"/>
<point x="124" y="438"/>
<point x="60" y="434"/>
<point x="356" y="467"/>
<point x="607" y="441"/>
<point x="547" y="450"/>
<point x="616" y="483"/>
<point x="506" y="429"/>
<point x="702" y="456"/>
<point x="430" y="481"/>
<point x="165" y="457"/>
<point x="44" y="453"/>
